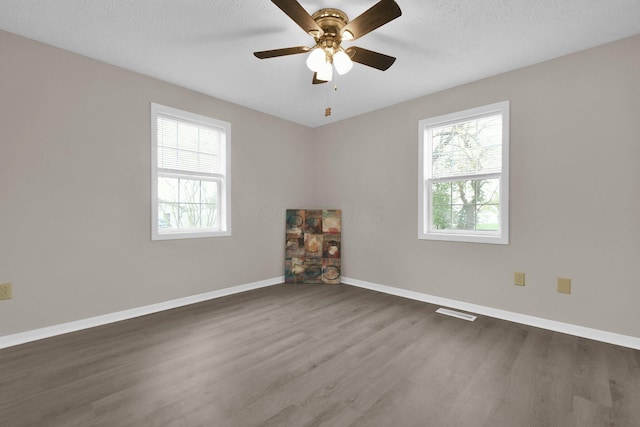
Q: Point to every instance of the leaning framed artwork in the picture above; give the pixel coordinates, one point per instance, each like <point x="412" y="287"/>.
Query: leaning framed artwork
<point x="313" y="246"/>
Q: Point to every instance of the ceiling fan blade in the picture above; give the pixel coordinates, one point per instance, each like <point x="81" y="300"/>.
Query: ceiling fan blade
<point x="379" y="14"/>
<point x="317" y="81"/>
<point x="370" y="58"/>
<point x="300" y="16"/>
<point x="281" y="52"/>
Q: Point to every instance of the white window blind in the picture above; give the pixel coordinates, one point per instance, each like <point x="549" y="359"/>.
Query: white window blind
<point x="467" y="148"/>
<point x="189" y="147"/>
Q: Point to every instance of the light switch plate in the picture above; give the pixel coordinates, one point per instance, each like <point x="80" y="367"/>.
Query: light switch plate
<point x="564" y="285"/>
<point x="6" y="291"/>
<point x="518" y="279"/>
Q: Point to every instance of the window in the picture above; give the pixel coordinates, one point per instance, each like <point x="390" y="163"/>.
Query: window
<point x="464" y="176"/>
<point x="190" y="175"/>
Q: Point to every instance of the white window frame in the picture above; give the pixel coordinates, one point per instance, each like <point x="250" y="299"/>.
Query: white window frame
<point x="425" y="230"/>
<point x="223" y="179"/>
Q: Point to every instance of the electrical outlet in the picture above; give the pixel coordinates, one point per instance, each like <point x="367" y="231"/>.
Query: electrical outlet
<point x="6" y="291"/>
<point x="518" y="279"/>
<point x="564" y="285"/>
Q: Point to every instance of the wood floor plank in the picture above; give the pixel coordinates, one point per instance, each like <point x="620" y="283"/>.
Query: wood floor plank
<point x="587" y="413"/>
<point x="305" y="355"/>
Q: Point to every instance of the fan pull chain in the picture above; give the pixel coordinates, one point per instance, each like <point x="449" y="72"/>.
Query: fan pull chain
<point x="327" y="111"/>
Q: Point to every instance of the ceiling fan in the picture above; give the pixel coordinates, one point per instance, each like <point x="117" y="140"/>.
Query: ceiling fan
<point x="329" y="28"/>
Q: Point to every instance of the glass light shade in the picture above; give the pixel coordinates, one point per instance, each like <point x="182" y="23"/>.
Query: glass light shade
<point x="325" y="73"/>
<point x="342" y="62"/>
<point x="316" y="59"/>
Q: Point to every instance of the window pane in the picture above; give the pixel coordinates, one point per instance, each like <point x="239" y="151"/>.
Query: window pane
<point x="187" y="203"/>
<point x="168" y="216"/>
<point x="467" y="148"/>
<point x="209" y="216"/>
<point x="441" y="215"/>
<point x="210" y="192"/>
<point x="167" y="189"/>
<point x="488" y="218"/>
<point x="441" y="205"/>
<point x="465" y="205"/>
<point x="488" y="191"/>
<point x="463" y="217"/>
<point x="189" y="191"/>
<point x="462" y="192"/>
<point x="189" y="215"/>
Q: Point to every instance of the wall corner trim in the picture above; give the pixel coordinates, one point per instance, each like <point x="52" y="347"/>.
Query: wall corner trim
<point x="64" y="328"/>
<point x="538" y="322"/>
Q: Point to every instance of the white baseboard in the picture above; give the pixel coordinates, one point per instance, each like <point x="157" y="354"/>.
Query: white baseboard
<point x="50" y="331"/>
<point x="566" y="328"/>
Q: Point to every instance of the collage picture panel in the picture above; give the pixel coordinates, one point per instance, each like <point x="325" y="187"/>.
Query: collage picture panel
<point x="312" y="250"/>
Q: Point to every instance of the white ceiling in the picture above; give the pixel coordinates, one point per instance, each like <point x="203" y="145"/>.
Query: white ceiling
<point x="207" y="45"/>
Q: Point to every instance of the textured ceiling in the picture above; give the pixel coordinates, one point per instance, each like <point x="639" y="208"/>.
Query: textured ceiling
<point x="207" y="45"/>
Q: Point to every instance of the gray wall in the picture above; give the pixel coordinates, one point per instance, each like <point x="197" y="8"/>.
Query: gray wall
<point x="575" y="193"/>
<point x="75" y="191"/>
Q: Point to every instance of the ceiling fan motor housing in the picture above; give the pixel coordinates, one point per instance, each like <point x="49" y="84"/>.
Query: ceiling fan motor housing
<point x="331" y="21"/>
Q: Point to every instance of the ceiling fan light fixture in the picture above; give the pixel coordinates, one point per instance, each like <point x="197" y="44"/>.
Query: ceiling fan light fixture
<point x="342" y="62"/>
<point x="316" y="59"/>
<point x="326" y="72"/>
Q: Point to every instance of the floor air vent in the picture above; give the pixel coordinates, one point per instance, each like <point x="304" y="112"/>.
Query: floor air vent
<point x="457" y="314"/>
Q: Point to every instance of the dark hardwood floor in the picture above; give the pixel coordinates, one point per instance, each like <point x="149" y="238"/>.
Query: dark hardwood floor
<point x="317" y="355"/>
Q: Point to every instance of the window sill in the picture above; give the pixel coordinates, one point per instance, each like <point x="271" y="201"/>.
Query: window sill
<point x="189" y="235"/>
<point x="465" y="238"/>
